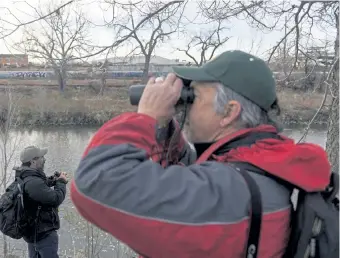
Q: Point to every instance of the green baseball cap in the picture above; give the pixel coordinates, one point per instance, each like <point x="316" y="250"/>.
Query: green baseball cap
<point x="244" y="73"/>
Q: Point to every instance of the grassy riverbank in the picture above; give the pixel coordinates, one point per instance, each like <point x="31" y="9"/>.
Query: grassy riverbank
<point x="82" y="105"/>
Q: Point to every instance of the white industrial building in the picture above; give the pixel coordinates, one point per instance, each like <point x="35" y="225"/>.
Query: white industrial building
<point x="136" y="63"/>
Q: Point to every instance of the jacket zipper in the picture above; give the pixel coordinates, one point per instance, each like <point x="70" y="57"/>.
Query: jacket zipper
<point x="54" y="217"/>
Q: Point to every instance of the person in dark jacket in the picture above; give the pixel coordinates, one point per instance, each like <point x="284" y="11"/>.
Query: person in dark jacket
<point x="41" y="203"/>
<point x="200" y="208"/>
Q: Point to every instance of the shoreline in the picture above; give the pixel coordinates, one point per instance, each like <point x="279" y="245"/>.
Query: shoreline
<point x="77" y="119"/>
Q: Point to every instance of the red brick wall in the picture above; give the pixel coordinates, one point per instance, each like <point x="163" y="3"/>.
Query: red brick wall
<point x="13" y="60"/>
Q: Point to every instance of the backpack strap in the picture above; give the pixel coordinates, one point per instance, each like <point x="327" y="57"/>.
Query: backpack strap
<point x="332" y="190"/>
<point x="215" y="146"/>
<point x="23" y="180"/>
<point x="255" y="198"/>
<point x="256" y="213"/>
<point x="21" y="184"/>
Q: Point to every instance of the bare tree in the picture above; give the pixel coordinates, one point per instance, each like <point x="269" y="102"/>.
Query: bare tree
<point x="115" y="8"/>
<point x="7" y="28"/>
<point x="60" y="39"/>
<point x="8" y="145"/>
<point x="206" y="42"/>
<point x="155" y="31"/>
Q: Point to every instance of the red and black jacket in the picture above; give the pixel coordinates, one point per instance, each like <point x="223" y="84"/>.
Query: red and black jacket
<point x="198" y="210"/>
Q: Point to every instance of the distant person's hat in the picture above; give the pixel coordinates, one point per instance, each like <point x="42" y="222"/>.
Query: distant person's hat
<point x="32" y="152"/>
<point x="244" y="73"/>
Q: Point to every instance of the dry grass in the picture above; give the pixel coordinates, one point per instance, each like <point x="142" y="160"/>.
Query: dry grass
<point x="76" y="101"/>
<point x="71" y="101"/>
<point x="299" y="107"/>
<point x="44" y="105"/>
<point x="290" y="99"/>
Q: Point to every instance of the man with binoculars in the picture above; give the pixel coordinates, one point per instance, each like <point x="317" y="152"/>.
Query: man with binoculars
<point x="223" y="201"/>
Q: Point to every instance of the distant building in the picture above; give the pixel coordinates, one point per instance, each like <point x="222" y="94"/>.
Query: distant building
<point x="136" y="63"/>
<point x="17" y="60"/>
<point x="315" y="58"/>
<point x="323" y="57"/>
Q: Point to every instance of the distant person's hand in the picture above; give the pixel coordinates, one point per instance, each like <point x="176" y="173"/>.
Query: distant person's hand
<point x="63" y="176"/>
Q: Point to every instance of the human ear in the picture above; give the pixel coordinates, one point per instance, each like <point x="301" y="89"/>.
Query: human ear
<point x="231" y="114"/>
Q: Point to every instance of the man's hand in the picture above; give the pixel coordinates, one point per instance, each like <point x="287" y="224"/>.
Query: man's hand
<point x="63" y="177"/>
<point x="160" y="97"/>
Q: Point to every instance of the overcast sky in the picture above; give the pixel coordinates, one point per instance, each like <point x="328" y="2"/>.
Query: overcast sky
<point x="242" y="36"/>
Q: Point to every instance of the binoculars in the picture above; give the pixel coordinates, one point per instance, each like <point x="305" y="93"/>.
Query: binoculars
<point x="187" y="94"/>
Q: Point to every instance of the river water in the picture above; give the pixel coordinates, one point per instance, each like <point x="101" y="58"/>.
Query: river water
<point x="66" y="145"/>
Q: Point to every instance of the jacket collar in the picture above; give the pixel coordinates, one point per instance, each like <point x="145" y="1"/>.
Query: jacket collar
<point x="24" y="171"/>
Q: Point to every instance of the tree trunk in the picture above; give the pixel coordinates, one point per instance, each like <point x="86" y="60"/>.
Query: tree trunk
<point x="146" y="69"/>
<point x="61" y="77"/>
<point x="103" y="83"/>
<point x="5" y="151"/>
<point x="332" y="144"/>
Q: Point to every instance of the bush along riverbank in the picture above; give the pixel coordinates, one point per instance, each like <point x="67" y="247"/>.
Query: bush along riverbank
<point x="43" y="106"/>
<point x="97" y="118"/>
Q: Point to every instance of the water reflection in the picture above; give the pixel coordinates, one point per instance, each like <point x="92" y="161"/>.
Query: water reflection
<point x="66" y="145"/>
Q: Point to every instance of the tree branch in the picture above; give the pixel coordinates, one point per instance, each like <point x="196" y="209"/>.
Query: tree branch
<point x="35" y="20"/>
<point x="297" y="22"/>
<point x="207" y="41"/>
<point x="330" y="72"/>
<point x="140" y="24"/>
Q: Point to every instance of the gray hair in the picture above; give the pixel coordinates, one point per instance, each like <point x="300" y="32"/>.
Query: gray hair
<point x="251" y="114"/>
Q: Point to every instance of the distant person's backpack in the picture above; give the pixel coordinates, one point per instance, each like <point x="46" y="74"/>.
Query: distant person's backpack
<point x="13" y="219"/>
